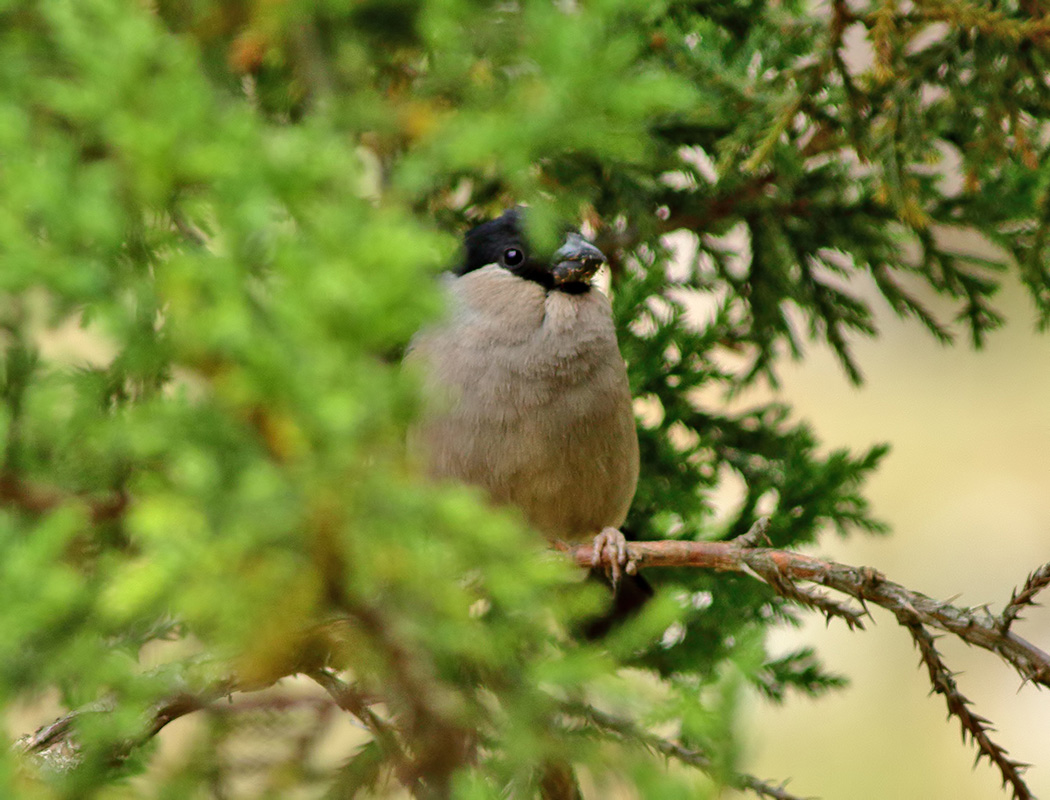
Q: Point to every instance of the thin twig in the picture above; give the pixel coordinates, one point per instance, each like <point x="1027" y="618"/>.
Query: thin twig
<point x="828" y="606"/>
<point x="58" y="731"/>
<point x="958" y="706"/>
<point x="189" y="231"/>
<point x="59" y="736"/>
<point x="628" y="730"/>
<point x="757" y="534"/>
<point x="348" y="698"/>
<point x="1037" y="581"/>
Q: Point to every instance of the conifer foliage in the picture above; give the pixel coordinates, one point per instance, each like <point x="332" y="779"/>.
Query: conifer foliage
<point x="219" y="226"/>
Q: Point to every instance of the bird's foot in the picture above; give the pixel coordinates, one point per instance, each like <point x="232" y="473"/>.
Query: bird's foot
<point x="610" y="551"/>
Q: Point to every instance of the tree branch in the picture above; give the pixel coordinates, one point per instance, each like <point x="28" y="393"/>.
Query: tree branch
<point x="56" y="744"/>
<point x="351" y="700"/>
<point x="977" y="726"/>
<point x="1038" y="580"/>
<point x="781" y="569"/>
<point x="37" y="499"/>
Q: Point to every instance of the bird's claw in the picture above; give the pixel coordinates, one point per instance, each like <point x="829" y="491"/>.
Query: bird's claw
<point x="610" y="551"/>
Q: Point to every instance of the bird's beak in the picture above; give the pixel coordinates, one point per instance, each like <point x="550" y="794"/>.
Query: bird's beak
<point x="576" y="261"/>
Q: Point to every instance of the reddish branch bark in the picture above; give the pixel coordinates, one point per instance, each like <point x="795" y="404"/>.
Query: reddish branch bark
<point x="782" y="568"/>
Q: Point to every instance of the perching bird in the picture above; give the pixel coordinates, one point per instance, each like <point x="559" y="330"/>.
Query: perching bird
<point x="530" y="395"/>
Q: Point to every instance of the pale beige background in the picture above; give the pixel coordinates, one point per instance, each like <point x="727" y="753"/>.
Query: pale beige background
<point x="966" y="489"/>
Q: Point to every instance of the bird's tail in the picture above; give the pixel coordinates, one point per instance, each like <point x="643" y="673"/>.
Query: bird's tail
<point x="628" y="596"/>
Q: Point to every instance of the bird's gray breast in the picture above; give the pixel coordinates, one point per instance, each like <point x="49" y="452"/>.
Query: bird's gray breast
<point x="531" y="403"/>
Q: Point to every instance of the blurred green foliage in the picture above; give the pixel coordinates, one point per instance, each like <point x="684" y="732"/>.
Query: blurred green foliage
<point x="219" y="222"/>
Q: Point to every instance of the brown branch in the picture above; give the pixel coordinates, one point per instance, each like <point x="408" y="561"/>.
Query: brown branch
<point x="57" y="733"/>
<point x="958" y="706"/>
<point x="780" y="569"/>
<point x="180" y="706"/>
<point x="188" y="230"/>
<point x="440" y="743"/>
<point x="1037" y="581"/>
<point x="828" y="606"/>
<point x="38" y="499"/>
<point x="757" y="534"/>
<point x="355" y="702"/>
<point x="977" y="627"/>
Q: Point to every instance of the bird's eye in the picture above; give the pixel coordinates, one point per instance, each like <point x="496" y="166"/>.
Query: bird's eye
<point x="513" y="257"/>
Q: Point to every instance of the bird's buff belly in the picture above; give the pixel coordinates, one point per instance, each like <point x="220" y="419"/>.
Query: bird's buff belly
<point x="568" y="480"/>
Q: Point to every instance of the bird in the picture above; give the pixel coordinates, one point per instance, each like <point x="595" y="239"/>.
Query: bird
<point x="528" y="395"/>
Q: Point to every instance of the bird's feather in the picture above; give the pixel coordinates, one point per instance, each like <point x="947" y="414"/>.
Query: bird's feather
<point x="531" y="402"/>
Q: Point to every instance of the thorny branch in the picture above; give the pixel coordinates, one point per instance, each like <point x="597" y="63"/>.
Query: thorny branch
<point x="782" y="570"/>
<point x="1037" y="581"/>
<point x="977" y="726"/>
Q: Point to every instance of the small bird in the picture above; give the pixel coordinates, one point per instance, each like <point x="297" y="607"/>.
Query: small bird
<point x="529" y="391"/>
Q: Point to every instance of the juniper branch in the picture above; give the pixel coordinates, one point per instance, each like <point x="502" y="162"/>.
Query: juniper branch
<point x="782" y="568"/>
<point x="353" y="701"/>
<point x="1037" y="580"/>
<point x="959" y="706"/>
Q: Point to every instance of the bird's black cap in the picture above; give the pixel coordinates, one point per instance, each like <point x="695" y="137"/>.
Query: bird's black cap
<point x="503" y="241"/>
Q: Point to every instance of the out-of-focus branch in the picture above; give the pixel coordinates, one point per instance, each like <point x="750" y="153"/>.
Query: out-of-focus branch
<point x="35" y="498"/>
<point x="622" y="728"/>
<point x="440" y="743"/>
<point x="353" y="701"/>
<point x="55" y="743"/>
<point x="189" y="231"/>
